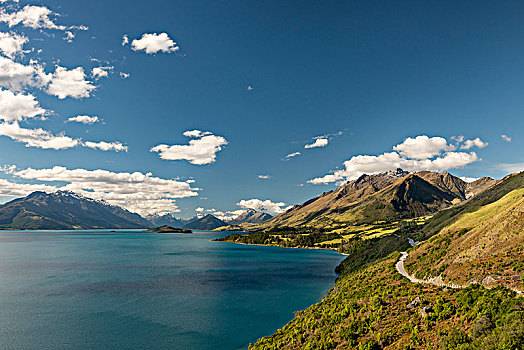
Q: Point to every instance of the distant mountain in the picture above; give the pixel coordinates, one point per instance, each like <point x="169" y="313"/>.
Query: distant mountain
<point x="65" y="210"/>
<point x="391" y="195"/>
<point x="208" y="222"/>
<point x="250" y="216"/>
<point x="187" y="221"/>
<point x="164" y="220"/>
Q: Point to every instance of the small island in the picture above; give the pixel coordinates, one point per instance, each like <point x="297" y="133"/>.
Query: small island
<point x="169" y="229"/>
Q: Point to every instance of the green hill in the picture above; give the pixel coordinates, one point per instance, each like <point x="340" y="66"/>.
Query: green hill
<point x="479" y="243"/>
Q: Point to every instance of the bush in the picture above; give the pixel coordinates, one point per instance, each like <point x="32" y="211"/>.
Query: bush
<point x="454" y="339"/>
<point x="481" y="327"/>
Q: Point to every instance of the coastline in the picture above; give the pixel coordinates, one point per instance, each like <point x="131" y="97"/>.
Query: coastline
<point x="277" y="246"/>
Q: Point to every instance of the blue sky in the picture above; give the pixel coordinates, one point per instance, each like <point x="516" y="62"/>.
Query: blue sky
<point x="372" y="84"/>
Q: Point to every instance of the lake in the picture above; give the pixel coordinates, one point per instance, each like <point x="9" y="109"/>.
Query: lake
<point x="135" y="290"/>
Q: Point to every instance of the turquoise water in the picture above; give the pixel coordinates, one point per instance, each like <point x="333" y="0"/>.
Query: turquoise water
<point x="136" y="290"/>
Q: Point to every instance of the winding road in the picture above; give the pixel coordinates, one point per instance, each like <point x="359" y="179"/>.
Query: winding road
<point x="403" y="272"/>
<point x="436" y="282"/>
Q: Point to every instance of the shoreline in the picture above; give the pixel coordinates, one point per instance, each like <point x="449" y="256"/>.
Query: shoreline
<point x="277" y="246"/>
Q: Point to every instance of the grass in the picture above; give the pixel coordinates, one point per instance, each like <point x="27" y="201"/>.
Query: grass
<point x="469" y="220"/>
<point x="332" y="237"/>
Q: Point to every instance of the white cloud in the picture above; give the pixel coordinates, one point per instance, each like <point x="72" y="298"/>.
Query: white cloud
<point x="9" y="188"/>
<point x="458" y="139"/>
<point x="469" y="179"/>
<point x="264" y="177"/>
<point x="237" y="212"/>
<point x="124" y="75"/>
<point x="511" y="167"/>
<point x="101" y="72"/>
<point x="228" y="215"/>
<point x="125" y="40"/>
<point x="16" y="76"/>
<point x="199" y="210"/>
<point x="39" y="138"/>
<point x="69" y="36"/>
<point x="474" y="143"/>
<point x="153" y="43"/>
<point x="201" y="150"/>
<point x="17" y="106"/>
<point x="34" y="17"/>
<point x="84" y="119"/>
<point x="267" y="206"/>
<point x="506" y="137"/>
<point x="423" y="147"/>
<point x="138" y="192"/>
<point x="370" y="164"/>
<point x="250" y="88"/>
<point x="11" y="44"/>
<point x="320" y="142"/>
<point x="196" y="133"/>
<point x="106" y="146"/>
<point x="31" y="16"/>
<point x="291" y="155"/>
<point x="70" y="83"/>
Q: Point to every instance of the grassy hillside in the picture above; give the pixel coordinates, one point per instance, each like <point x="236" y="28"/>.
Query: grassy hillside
<point x="375" y="308"/>
<point x="483" y="246"/>
<point x="447" y="217"/>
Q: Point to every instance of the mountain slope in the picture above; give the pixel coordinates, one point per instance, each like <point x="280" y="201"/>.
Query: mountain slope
<point x="65" y="210"/>
<point x="481" y="244"/>
<point x="208" y="222"/>
<point x="387" y="196"/>
<point x="493" y="193"/>
<point x="336" y="200"/>
<point x="250" y="216"/>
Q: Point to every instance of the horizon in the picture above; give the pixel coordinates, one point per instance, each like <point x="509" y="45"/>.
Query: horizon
<point x="196" y="108"/>
<point x="234" y="215"/>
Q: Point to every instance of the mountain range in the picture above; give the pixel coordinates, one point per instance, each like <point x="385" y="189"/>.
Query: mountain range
<point x="66" y="210"/>
<point x="390" y="195"/>
<point x="164" y="220"/>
